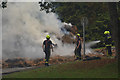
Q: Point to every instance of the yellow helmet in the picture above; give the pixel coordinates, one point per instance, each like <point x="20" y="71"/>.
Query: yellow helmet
<point x="106" y="32"/>
<point x="78" y="34"/>
<point x="48" y="36"/>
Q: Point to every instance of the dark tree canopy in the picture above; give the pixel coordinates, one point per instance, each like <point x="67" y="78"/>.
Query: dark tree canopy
<point x="115" y="23"/>
<point x="97" y="14"/>
<point x="102" y="16"/>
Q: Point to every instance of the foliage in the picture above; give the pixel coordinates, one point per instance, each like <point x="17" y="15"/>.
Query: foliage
<point x="48" y="7"/>
<point x="97" y="14"/>
<point x="4" y="5"/>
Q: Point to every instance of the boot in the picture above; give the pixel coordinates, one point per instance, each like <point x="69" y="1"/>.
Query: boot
<point x="76" y="59"/>
<point x="79" y="58"/>
<point x="47" y="64"/>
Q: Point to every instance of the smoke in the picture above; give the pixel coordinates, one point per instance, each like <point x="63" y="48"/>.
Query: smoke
<point x="89" y="45"/>
<point x="24" y="30"/>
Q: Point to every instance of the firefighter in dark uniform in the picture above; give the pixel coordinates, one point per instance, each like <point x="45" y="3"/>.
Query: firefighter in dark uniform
<point x="78" y="48"/>
<point x="47" y="46"/>
<point x="108" y="43"/>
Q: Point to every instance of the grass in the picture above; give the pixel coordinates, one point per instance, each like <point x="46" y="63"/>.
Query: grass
<point x="79" y="69"/>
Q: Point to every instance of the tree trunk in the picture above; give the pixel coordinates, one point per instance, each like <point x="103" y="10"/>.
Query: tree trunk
<point x="115" y="24"/>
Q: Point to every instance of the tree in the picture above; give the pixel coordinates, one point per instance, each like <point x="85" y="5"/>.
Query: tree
<point x="4" y="5"/>
<point x="115" y="24"/>
<point x="47" y="6"/>
<point x="97" y="14"/>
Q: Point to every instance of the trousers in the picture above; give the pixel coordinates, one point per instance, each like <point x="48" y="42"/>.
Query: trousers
<point x="109" y="52"/>
<point x="47" y="56"/>
<point x="78" y="53"/>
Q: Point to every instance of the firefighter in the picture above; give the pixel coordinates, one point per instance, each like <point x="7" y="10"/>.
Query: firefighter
<point x="78" y="48"/>
<point x="108" y="43"/>
<point x="47" y="46"/>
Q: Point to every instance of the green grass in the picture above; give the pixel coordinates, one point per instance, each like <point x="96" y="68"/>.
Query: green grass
<point x="76" y="69"/>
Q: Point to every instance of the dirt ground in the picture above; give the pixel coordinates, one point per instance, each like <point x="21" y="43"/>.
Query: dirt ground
<point x="27" y="62"/>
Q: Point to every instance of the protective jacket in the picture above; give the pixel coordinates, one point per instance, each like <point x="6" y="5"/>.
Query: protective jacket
<point x="108" y="40"/>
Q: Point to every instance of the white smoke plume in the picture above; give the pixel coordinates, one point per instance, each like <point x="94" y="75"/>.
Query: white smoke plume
<point x="24" y="28"/>
<point x="89" y="45"/>
<point x="23" y="32"/>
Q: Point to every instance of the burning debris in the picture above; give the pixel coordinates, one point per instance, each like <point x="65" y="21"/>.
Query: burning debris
<point x="103" y="52"/>
<point x="70" y="33"/>
<point x="27" y="62"/>
<point x="67" y="39"/>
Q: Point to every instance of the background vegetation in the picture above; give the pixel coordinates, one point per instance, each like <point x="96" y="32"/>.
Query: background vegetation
<point x="97" y="14"/>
